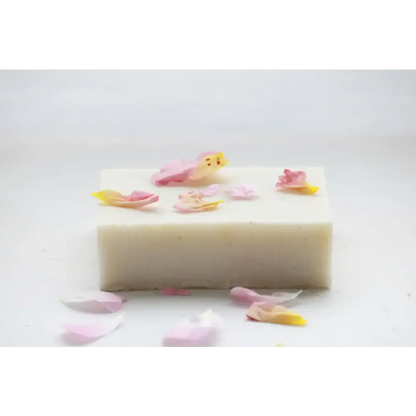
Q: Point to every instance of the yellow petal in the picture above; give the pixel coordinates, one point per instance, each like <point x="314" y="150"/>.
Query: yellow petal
<point x="212" y="205"/>
<point x="108" y="196"/>
<point x="308" y="189"/>
<point x="289" y="318"/>
<point x="275" y="314"/>
<point x="209" y="165"/>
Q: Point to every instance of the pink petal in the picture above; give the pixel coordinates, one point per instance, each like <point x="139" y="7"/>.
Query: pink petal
<point x="138" y="196"/>
<point x="183" y="292"/>
<point x="94" y="301"/>
<point x="241" y="294"/>
<point x="198" y="331"/>
<point x="209" y="191"/>
<point x="292" y="179"/>
<point x="176" y="171"/>
<point x="138" y="203"/>
<point x="83" y="333"/>
<point x="186" y="208"/>
<point x="242" y="191"/>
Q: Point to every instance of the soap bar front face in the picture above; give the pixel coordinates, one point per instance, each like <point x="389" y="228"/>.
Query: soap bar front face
<point x="277" y="240"/>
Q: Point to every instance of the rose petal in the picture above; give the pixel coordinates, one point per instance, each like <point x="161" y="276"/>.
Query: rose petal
<point x="208" y="165"/>
<point x="182" y="170"/>
<point x="88" y="332"/>
<point x="244" y="295"/>
<point x="276" y="314"/>
<point x="176" y="171"/>
<point x="198" y="331"/>
<point x="94" y="301"/>
<point x="209" y="191"/>
<point x="138" y="196"/>
<point x="292" y="179"/>
<point x="137" y="199"/>
<point x="242" y="191"/>
<point x="192" y="202"/>
<point x="296" y="181"/>
<point x="171" y="291"/>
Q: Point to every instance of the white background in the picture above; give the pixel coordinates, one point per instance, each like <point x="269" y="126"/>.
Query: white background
<point x="58" y="129"/>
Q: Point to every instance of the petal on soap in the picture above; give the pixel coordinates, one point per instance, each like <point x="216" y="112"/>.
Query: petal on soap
<point x="291" y="179"/>
<point x="137" y="199"/>
<point x="171" y="291"/>
<point x="176" y="171"/>
<point x="198" y="331"/>
<point x="209" y="191"/>
<point x="183" y="170"/>
<point x="243" y="295"/>
<point x="88" y="332"/>
<point x="242" y="191"/>
<point x="275" y="314"/>
<point x="108" y="197"/>
<point x="94" y="301"/>
<point x="296" y="181"/>
<point x="138" y="196"/>
<point x="192" y="202"/>
<point x="208" y="165"/>
<point x="309" y="189"/>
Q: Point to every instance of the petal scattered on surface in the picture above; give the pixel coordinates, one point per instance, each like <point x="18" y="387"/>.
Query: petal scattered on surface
<point x="183" y="170"/>
<point x="137" y="199"/>
<point x="209" y="191"/>
<point x="192" y="202"/>
<point x="208" y="165"/>
<point x="275" y="314"/>
<point x="244" y="295"/>
<point x="291" y="179"/>
<point x="296" y="181"/>
<point x="309" y="189"/>
<point x="198" y="331"/>
<point x="88" y="332"/>
<point x="94" y="301"/>
<point x="174" y="172"/>
<point x="242" y="191"/>
<point x="171" y="291"/>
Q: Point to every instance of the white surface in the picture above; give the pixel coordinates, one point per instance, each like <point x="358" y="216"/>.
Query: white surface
<point x="58" y="130"/>
<point x="277" y="240"/>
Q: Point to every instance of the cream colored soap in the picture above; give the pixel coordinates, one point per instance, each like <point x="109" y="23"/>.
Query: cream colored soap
<point x="277" y="240"/>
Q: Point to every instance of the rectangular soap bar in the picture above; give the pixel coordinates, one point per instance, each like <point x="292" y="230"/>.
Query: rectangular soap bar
<point x="277" y="240"/>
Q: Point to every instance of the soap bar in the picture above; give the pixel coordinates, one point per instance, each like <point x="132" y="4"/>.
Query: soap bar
<point x="276" y="240"/>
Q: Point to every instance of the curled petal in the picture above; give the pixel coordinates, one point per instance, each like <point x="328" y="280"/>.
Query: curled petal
<point x="209" y="191"/>
<point x="242" y="191"/>
<point x="171" y="291"/>
<point x="136" y="199"/>
<point x="88" y="332"/>
<point x="308" y="189"/>
<point x="275" y="314"/>
<point x="296" y="181"/>
<point x="94" y="301"/>
<point x="243" y="295"/>
<point x="192" y="202"/>
<point x="208" y="165"/>
<point x="198" y="331"/>
<point x="183" y="170"/>
<point x="176" y="171"/>
<point x="292" y="179"/>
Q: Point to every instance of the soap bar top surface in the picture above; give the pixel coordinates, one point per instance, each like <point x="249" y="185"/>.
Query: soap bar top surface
<point x="270" y="205"/>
